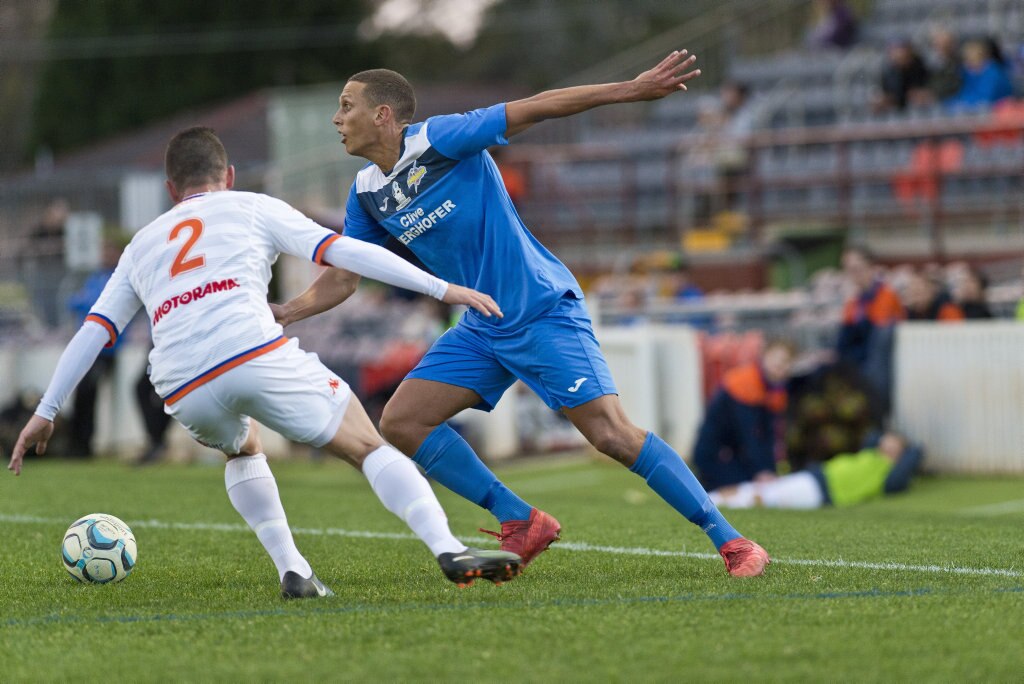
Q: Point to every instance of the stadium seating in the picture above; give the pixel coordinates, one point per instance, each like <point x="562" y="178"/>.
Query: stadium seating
<point x="881" y="177"/>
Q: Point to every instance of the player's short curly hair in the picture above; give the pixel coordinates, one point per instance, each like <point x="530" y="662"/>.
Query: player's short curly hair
<point x="384" y="86"/>
<point x="195" y="156"/>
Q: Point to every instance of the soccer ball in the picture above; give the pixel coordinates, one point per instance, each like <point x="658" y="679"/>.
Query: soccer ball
<point x="99" y="548"/>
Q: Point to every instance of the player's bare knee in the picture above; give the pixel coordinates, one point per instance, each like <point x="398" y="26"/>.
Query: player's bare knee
<point x="400" y="430"/>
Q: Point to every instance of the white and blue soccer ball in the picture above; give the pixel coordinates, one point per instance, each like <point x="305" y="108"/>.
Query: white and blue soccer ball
<point x="99" y="548"/>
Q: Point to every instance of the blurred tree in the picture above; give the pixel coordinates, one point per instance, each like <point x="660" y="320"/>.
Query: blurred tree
<point x="539" y="42"/>
<point x="174" y="54"/>
<point x="19" y="19"/>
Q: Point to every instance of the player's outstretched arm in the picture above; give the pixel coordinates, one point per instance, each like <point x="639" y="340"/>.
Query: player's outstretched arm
<point x="352" y="258"/>
<point x="669" y="76"/>
<point x="74" y="363"/>
<point x="330" y="289"/>
<point x="373" y="261"/>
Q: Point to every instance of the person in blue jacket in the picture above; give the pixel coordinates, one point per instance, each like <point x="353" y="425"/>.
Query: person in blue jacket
<point x="985" y="79"/>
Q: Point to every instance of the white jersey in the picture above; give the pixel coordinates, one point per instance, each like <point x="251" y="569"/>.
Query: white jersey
<point x="201" y="271"/>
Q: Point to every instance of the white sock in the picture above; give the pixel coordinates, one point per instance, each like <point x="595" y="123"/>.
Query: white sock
<point x="407" y="494"/>
<point x="253" y="492"/>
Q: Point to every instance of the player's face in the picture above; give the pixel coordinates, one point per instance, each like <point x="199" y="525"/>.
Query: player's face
<point x="354" y="119"/>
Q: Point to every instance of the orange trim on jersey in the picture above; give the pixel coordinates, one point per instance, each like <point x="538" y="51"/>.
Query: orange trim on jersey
<point x="224" y="367"/>
<point x="107" y="324"/>
<point x="746" y="385"/>
<point x="321" y="249"/>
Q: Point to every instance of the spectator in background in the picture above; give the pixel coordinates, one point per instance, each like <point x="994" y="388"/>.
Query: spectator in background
<point x="970" y="294"/>
<point x="926" y="301"/>
<point x="720" y="154"/>
<point x="83" y="420"/>
<point x="834" y="25"/>
<point x="677" y="281"/>
<point x="742" y="435"/>
<point x="946" y="68"/>
<point x="873" y="306"/>
<point x="843" y="480"/>
<point x="731" y="156"/>
<point x="904" y="79"/>
<point x="738" y="115"/>
<point x="985" y="78"/>
<point x="865" y="340"/>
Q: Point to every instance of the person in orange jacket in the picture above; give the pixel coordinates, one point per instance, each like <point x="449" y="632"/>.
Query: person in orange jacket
<point x="741" y="437"/>
<point x="874" y="306"/>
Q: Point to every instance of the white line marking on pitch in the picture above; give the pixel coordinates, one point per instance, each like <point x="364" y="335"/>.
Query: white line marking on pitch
<point x="1002" y="508"/>
<point x="565" y="546"/>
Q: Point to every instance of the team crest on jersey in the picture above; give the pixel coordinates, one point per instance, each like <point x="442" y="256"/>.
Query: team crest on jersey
<point x="334" y="384"/>
<point x="416" y="174"/>
<point x="401" y="200"/>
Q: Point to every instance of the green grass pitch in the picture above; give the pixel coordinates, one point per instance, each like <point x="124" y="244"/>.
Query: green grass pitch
<point x="860" y="594"/>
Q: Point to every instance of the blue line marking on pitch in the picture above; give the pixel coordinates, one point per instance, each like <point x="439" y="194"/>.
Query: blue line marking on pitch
<point x="558" y="603"/>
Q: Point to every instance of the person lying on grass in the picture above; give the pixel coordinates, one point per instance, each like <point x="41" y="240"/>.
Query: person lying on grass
<point x="844" y="480"/>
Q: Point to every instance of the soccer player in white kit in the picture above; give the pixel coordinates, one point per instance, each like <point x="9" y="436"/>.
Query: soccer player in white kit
<point x="201" y="271"/>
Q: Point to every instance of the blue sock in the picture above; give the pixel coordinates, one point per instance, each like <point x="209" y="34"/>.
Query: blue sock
<point x="667" y="474"/>
<point x="448" y="458"/>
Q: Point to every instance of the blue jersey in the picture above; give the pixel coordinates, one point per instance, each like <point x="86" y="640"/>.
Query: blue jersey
<point x="446" y="201"/>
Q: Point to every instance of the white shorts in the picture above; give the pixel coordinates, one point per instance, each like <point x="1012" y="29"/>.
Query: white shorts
<point x="287" y="390"/>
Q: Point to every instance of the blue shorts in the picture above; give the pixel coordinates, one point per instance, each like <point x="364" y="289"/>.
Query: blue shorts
<point x="556" y="355"/>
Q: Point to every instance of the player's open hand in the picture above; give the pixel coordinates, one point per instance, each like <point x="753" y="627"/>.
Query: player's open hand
<point x="668" y="77"/>
<point x="37" y="431"/>
<point x="457" y="294"/>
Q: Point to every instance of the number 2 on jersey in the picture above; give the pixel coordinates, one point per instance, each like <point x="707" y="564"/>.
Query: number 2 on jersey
<point x="183" y="263"/>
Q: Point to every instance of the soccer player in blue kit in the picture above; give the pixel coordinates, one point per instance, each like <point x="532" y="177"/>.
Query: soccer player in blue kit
<point x="434" y="187"/>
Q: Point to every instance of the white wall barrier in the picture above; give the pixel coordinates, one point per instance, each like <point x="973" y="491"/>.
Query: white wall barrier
<point x="959" y="389"/>
<point x="657" y="370"/>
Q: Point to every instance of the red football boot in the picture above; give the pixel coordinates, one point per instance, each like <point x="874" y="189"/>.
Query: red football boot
<point x="744" y="558"/>
<point x="528" y="538"/>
